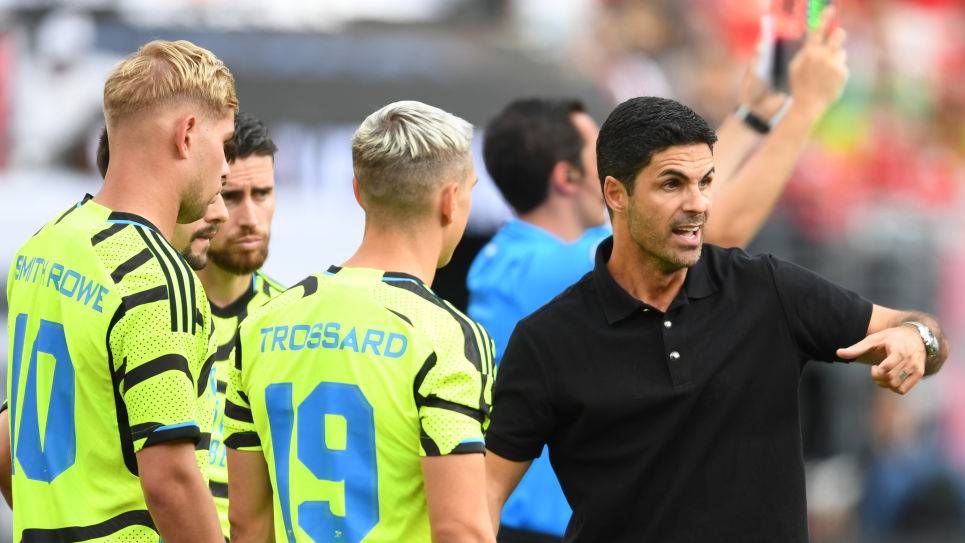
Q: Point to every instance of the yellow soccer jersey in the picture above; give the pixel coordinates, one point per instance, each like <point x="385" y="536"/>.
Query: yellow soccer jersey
<point x="226" y="322"/>
<point x="109" y="331"/>
<point x="344" y="382"/>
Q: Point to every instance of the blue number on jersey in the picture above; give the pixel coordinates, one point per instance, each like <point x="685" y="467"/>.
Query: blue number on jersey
<point x="355" y="464"/>
<point x="44" y="461"/>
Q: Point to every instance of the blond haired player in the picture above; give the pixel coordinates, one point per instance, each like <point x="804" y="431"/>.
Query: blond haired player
<point x="109" y="417"/>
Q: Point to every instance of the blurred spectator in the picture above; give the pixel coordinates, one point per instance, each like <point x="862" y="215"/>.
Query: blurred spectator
<point x="58" y="92"/>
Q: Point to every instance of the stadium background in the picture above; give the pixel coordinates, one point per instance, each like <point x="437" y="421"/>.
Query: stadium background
<point x="877" y="203"/>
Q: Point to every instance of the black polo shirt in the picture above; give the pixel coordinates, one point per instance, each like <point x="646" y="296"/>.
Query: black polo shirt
<point x="676" y="426"/>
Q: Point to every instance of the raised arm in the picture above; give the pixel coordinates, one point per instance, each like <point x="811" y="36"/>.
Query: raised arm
<point x="743" y="202"/>
<point x="898" y="349"/>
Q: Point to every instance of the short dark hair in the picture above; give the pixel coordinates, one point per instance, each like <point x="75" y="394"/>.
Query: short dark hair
<point x="251" y="138"/>
<point x="641" y="127"/>
<point x="103" y="156"/>
<point x="523" y="143"/>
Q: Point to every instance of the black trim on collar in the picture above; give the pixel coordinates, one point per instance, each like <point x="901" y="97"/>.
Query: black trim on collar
<point x="236" y="307"/>
<point x="122" y="216"/>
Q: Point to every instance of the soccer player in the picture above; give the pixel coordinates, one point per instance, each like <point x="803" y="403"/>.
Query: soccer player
<point x="192" y="240"/>
<point x="232" y="278"/>
<point x="109" y="405"/>
<point x="358" y="399"/>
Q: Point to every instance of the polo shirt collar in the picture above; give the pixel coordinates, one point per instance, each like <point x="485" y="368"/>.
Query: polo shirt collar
<point x="618" y="304"/>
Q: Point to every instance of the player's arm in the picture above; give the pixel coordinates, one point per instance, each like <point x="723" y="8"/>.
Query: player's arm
<point x="456" y="496"/>
<point x="250" y="506"/>
<point x="453" y="392"/>
<point x="249" y="484"/>
<point x="6" y="465"/>
<point x="896" y="350"/>
<point x="502" y="476"/>
<point x="161" y="398"/>
<point x="177" y="497"/>
<point x="817" y="76"/>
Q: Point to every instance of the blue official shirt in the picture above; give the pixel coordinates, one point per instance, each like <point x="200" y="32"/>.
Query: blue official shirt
<point x="516" y="273"/>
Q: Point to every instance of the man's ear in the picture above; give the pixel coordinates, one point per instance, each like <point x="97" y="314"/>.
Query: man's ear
<point x="448" y="197"/>
<point x="563" y="178"/>
<point x="615" y="194"/>
<point x="185" y="134"/>
<point x="357" y="190"/>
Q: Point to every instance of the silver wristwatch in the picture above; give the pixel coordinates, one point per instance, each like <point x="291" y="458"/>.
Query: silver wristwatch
<point x="928" y="338"/>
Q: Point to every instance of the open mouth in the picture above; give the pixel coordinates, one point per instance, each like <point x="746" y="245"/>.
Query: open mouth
<point x="688" y="234"/>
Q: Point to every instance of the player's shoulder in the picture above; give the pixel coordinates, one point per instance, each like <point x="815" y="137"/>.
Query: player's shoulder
<point x="444" y="325"/>
<point x="266" y="285"/>
<point x="282" y="300"/>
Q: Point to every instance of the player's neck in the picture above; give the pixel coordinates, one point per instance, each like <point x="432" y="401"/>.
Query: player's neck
<point x="410" y="251"/>
<point x="642" y="276"/>
<point x="132" y="190"/>
<point x="558" y="217"/>
<point x="222" y="286"/>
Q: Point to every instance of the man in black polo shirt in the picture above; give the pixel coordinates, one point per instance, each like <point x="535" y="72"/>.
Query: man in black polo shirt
<point x="665" y="381"/>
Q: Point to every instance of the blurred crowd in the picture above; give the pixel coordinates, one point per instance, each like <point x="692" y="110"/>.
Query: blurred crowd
<point x="878" y="194"/>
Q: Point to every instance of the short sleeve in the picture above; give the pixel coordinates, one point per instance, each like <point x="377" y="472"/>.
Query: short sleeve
<point x="822" y="316"/>
<point x="523" y="418"/>
<point x="239" y="426"/>
<point x="452" y="393"/>
<point x="157" y="386"/>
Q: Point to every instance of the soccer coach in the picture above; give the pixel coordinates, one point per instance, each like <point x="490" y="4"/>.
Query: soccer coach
<point x="665" y="381"/>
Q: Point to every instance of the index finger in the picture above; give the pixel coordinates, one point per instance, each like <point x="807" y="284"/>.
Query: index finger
<point x="818" y="34"/>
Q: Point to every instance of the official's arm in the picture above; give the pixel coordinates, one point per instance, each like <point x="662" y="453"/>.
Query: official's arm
<point x="817" y="76"/>
<point x="502" y="476"/>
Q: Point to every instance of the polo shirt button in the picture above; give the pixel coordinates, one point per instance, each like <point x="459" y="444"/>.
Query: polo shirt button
<point x="667" y="324"/>
<point x="674" y="355"/>
<point x="645" y="309"/>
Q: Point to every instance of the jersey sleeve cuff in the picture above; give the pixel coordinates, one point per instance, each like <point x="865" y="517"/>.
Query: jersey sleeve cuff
<point x="173" y="432"/>
<point x="510" y="451"/>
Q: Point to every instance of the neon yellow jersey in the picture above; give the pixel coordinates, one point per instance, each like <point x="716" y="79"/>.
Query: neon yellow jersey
<point x="344" y="382"/>
<point x="226" y="322"/>
<point x="109" y="331"/>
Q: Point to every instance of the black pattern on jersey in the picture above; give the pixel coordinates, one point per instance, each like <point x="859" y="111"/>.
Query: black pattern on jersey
<point x="310" y="284"/>
<point x="237" y="412"/>
<point x="106" y="233"/>
<point x="473" y="334"/>
<point x="155" y="367"/>
<point x="428" y="444"/>
<point x="179" y="279"/>
<point x="95" y="531"/>
<point x="241" y="440"/>
<point x="131" y="264"/>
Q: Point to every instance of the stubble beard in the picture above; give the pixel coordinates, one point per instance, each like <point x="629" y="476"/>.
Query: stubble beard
<point x="239" y="262"/>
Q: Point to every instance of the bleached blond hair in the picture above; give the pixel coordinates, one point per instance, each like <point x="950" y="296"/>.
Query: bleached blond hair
<point x="406" y="150"/>
<point x="161" y="71"/>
